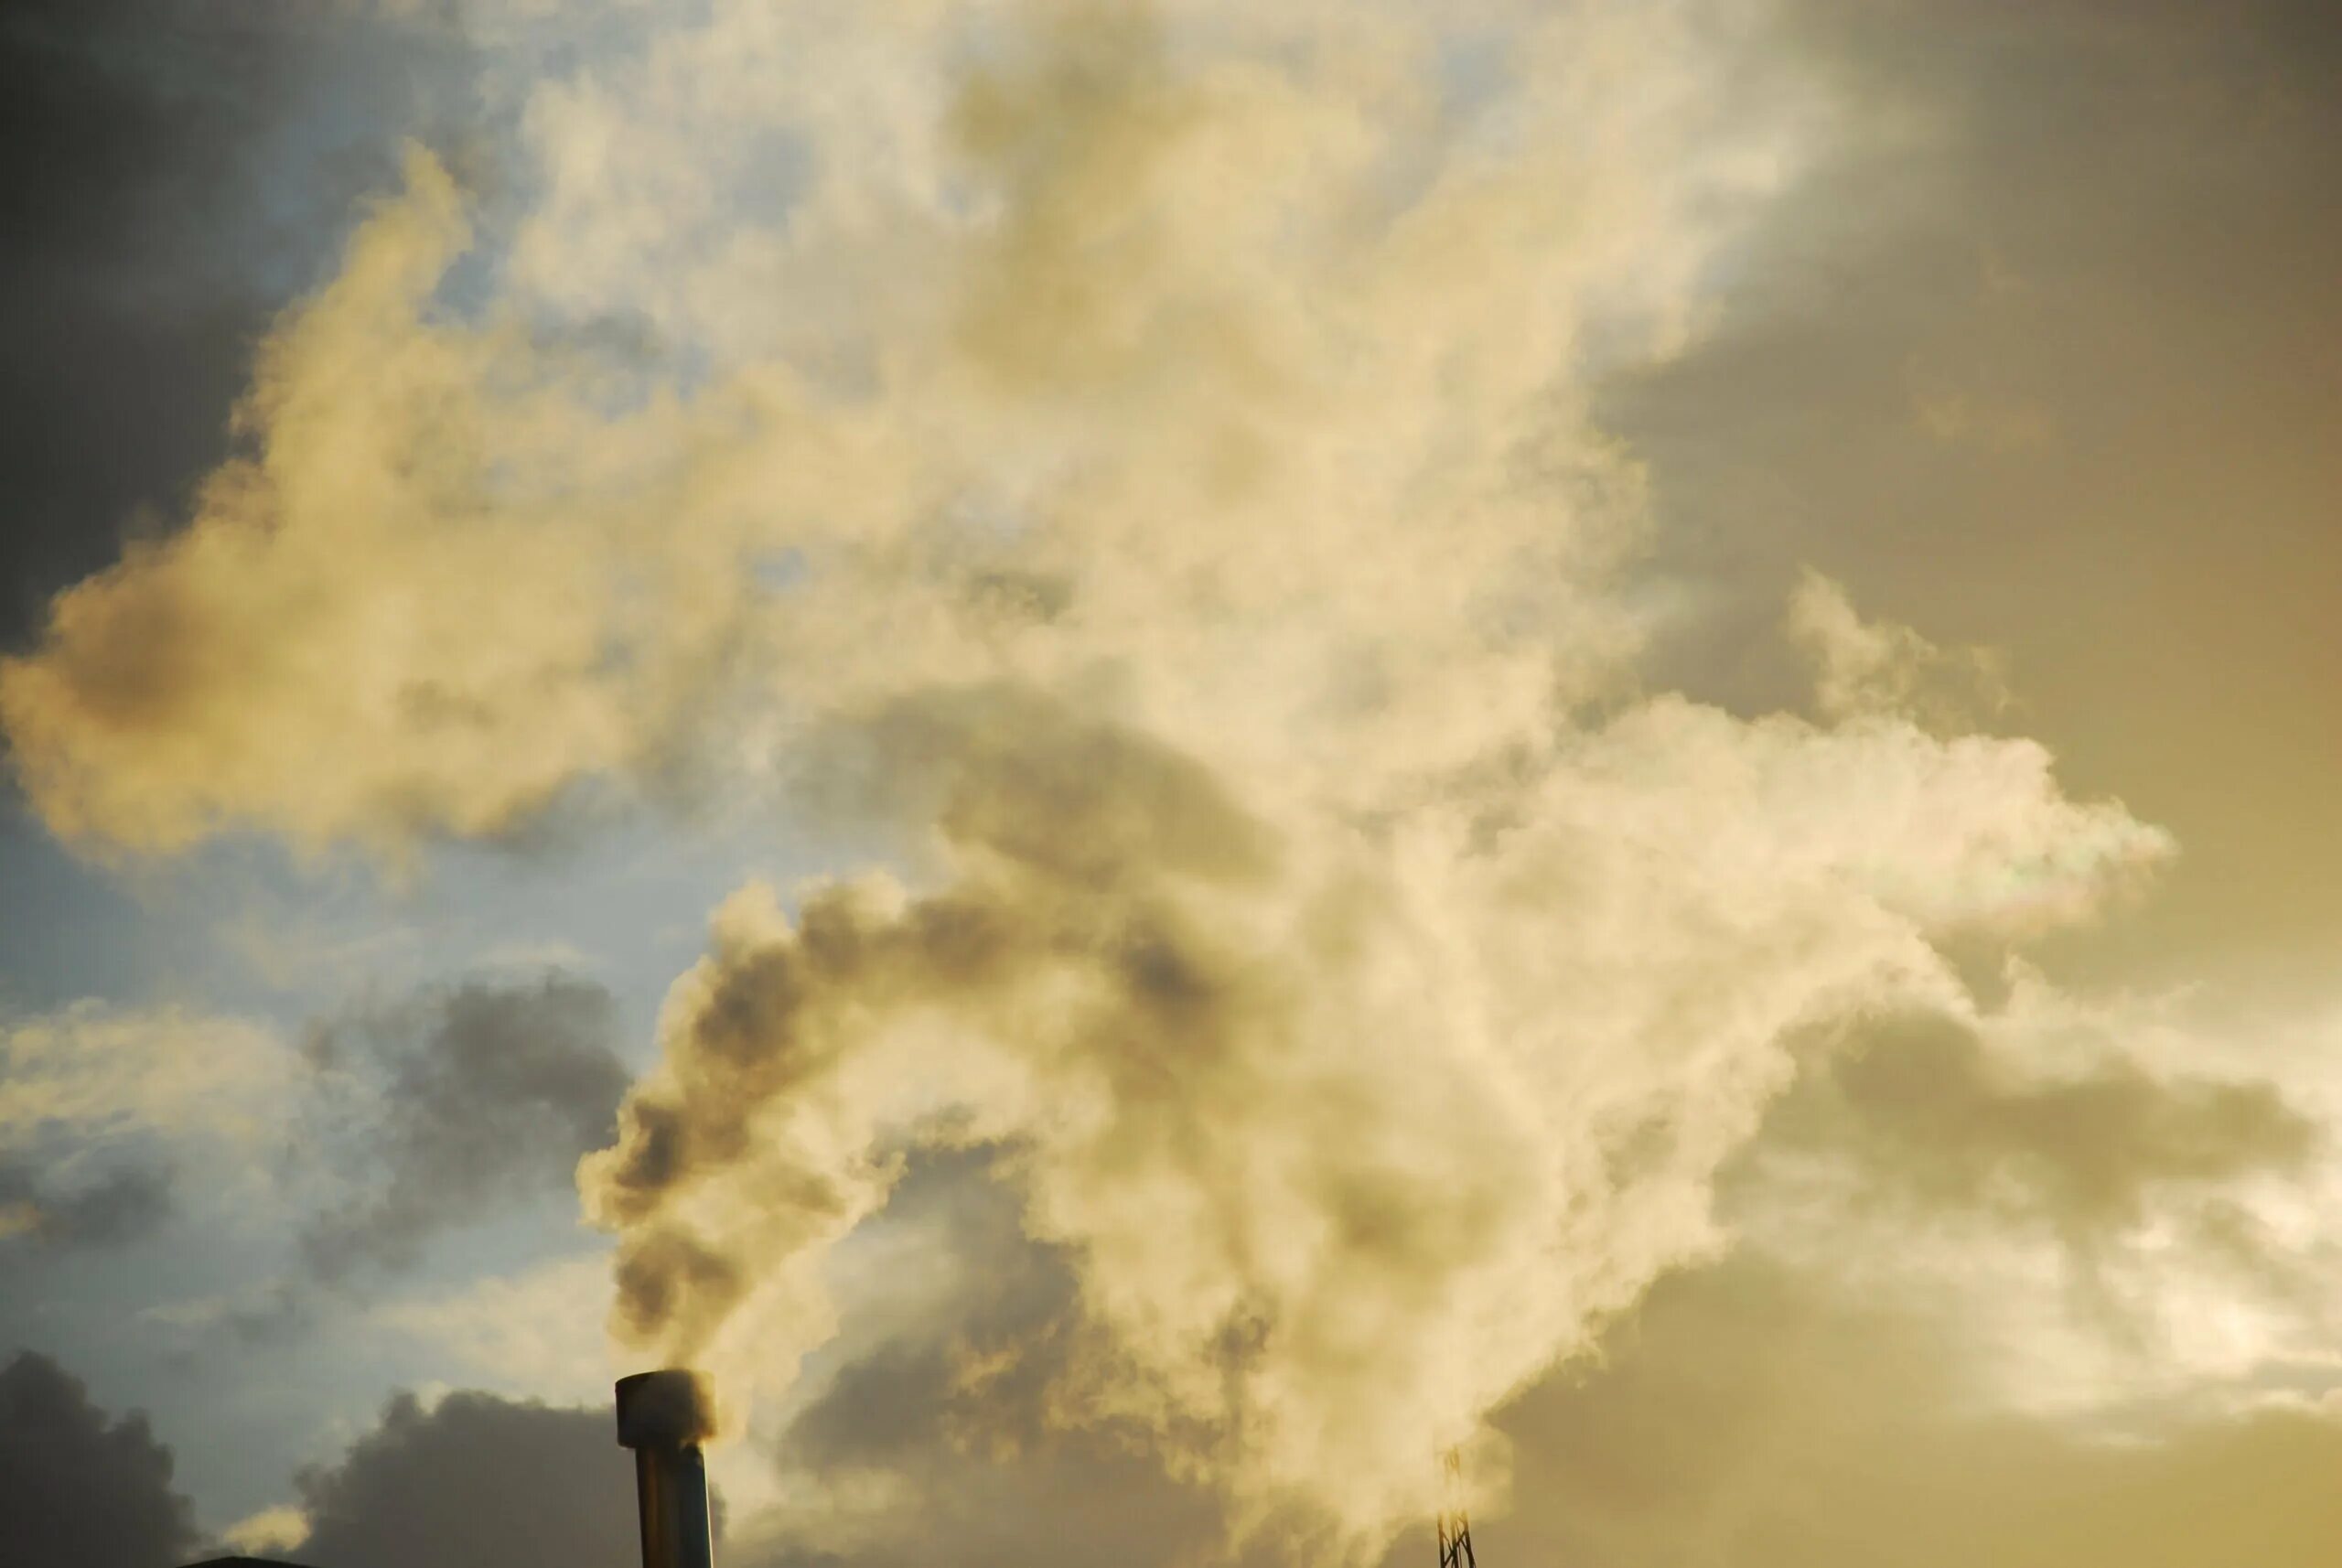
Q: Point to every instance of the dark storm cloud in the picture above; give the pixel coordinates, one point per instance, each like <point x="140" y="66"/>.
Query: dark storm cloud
<point x="76" y="1490"/>
<point x="120" y="1205"/>
<point x="461" y="1101"/>
<point x="476" y="1482"/>
<point x="122" y="134"/>
<point x="171" y="171"/>
<point x="2028" y="363"/>
<point x="118" y="380"/>
<point x="1750" y="1416"/>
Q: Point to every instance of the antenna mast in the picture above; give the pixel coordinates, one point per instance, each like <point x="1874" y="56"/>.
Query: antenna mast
<point x="1455" y="1524"/>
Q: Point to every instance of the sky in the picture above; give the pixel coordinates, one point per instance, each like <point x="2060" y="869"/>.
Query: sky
<point x="1150" y="758"/>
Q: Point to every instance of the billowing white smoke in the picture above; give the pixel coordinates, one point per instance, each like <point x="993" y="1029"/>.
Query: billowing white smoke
<point x="1142" y="462"/>
<point x="1351" y="1127"/>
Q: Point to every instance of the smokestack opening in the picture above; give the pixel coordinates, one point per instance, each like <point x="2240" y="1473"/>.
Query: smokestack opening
<point x="665" y="1417"/>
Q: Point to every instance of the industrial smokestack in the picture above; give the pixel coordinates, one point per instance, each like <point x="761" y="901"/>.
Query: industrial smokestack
<point x="664" y="1417"/>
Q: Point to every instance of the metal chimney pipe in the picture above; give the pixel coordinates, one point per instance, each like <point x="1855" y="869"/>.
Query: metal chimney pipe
<point x="664" y="1416"/>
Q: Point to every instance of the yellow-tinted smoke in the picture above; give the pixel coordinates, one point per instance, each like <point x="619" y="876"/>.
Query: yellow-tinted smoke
<point x="1146" y="469"/>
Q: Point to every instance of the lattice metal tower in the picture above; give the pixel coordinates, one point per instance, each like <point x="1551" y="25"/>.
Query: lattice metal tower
<point x="1455" y="1524"/>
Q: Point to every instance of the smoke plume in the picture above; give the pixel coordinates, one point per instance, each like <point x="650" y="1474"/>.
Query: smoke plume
<point x="1130" y="474"/>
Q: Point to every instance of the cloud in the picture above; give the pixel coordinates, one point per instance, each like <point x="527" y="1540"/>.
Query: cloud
<point x="461" y="1100"/>
<point x="1864" y="667"/>
<point x="2120" y="1211"/>
<point x="169" y="175"/>
<point x="475" y="1481"/>
<point x="540" y="1332"/>
<point x="75" y="1488"/>
<point x="938" y="1427"/>
<point x="114" y="1120"/>
<point x="395" y="1124"/>
<point x="273" y="1533"/>
<point x="1756" y="1415"/>
<point x="1938" y="1115"/>
<point x="2081" y="240"/>
<point x="119" y="125"/>
<point x="121" y="1205"/>
<point x="101" y="1070"/>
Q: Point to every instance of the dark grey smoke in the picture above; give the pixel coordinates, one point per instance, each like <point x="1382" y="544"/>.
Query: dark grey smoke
<point x="1072" y="830"/>
<point x="464" y="1100"/>
<point x="77" y="1491"/>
